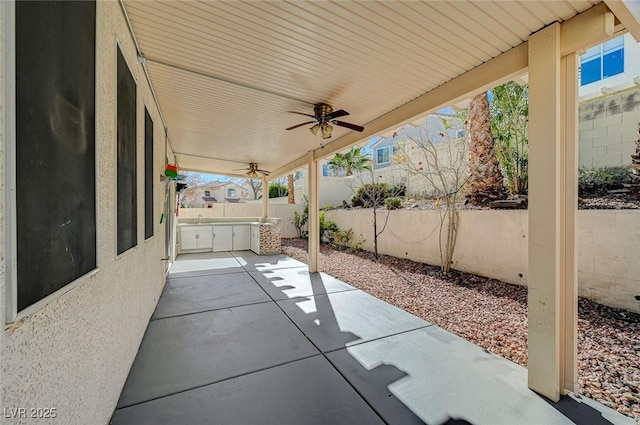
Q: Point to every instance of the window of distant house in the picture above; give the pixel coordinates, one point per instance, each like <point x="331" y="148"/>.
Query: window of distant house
<point x="207" y="193"/>
<point x="602" y="61"/>
<point x="231" y="193"/>
<point x="325" y="170"/>
<point x="383" y="155"/>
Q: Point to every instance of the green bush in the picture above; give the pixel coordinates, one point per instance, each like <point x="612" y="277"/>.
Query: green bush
<point x="397" y="190"/>
<point x="597" y="181"/>
<point x="369" y="194"/>
<point x="392" y="203"/>
<point x="328" y="228"/>
<point x="278" y="190"/>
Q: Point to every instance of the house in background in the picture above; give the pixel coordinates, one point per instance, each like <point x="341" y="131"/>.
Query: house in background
<point x="216" y="192"/>
<point x="336" y="189"/>
<point x="609" y="109"/>
<point x="441" y="128"/>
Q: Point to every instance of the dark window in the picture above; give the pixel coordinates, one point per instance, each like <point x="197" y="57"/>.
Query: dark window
<point x="55" y="146"/>
<point x="126" y="168"/>
<point x="148" y="175"/>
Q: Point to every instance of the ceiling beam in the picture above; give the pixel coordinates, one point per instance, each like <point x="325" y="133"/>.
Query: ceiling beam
<point x="628" y="13"/>
<point x="593" y="26"/>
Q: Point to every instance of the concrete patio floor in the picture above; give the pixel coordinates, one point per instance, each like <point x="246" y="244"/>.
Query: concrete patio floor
<point x="238" y="338"/>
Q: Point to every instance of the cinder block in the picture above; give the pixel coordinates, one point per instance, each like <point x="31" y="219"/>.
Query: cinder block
<point x="623" y="149"/>
<point x="593" y="133"/>
<point x="607" y="140"/>
<point x="585" y="125"/>
<point x="607" y="161"/>
<point x="607" y="121"/>
<point x="631" y="117"/>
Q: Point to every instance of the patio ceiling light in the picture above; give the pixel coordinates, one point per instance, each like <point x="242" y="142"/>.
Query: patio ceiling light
<point x="314" y="129"/>
<point x="326" y="130"/>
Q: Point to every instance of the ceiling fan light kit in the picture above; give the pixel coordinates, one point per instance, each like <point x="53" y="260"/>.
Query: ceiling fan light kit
<point x="253" y="170"/>
<point x="324" y="118"/>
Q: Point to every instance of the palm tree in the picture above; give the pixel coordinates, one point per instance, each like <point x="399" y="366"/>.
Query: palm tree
<point x="292" y="196"/>
<point x="354" y="160"/>
<point x="485" y="176"/>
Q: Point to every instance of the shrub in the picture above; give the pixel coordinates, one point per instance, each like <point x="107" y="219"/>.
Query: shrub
<point x="344" y="239"/>
<point x="328" y="228"/>
<point x="300" y="220"/>
<point x="597" y="181"/>
<point x="277" y="190"/>
<point x="397" y="190"/>
<point x="369" y="194"/>
<point x="392" y="203"/>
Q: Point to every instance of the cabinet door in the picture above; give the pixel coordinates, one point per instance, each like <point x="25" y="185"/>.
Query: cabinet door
<point x="205" y="238"/>
<point x="241" y="238"/>
<point x="222" y="238"/>
<point x="255" y="239"/>
<point x="188" y="240"/>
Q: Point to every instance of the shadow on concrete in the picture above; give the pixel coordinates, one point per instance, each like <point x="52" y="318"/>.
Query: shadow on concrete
<point x="390" y="408"/>
<point x="580" y="410"/>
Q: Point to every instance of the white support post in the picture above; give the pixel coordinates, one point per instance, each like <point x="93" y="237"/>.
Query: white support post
<point x="265" y="197"/>
<point x="314" y="221"/>
<point x="568" y="213"/>
<point x="545" y="284"/>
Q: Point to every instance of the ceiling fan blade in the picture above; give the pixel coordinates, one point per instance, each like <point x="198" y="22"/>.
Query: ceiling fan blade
<point x="337" y="114"/>
<point x="348" y="125"/>
<point x="240" y="169"/>
<point x="301" y="113"/>
<point x="264" y="172"/>
<point x="300" y="125"/>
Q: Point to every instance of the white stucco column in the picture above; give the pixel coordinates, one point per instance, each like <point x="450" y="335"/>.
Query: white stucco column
<point x="265" y="197"/>
<point x="314" y="222"/>
<point x="552" y="204"/>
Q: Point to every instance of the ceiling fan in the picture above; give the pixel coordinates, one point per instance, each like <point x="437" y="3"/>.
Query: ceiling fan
<point x="253" y="170"/>
<point x="323" y="116"/>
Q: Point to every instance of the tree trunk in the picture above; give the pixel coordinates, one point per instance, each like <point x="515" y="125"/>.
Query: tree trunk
<point x="635" y="162"/>
<point x="485" y="176"/>
<point x="291" y="189"/>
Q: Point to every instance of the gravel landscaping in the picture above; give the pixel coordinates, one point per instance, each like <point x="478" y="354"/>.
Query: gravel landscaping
<point x="493" y="315"/>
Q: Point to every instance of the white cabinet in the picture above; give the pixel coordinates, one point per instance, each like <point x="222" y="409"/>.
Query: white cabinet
<point x="255" y="239"/>
<point x="196" y="238"/>
<point x="241" y="237"/>
<point x="222" y="238"/>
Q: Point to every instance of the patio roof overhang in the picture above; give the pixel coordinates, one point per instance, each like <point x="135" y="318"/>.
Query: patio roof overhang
<point x="226" y="73"/>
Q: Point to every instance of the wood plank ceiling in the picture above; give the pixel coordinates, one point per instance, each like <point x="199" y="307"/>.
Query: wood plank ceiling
<point x="226" y="73"/>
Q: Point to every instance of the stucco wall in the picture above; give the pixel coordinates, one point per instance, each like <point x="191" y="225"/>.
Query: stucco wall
<point x="494" y="244"/>
<point x="74" y="354"/>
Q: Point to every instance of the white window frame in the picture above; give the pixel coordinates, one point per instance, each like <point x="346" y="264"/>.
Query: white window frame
<point x="388" y="149"/>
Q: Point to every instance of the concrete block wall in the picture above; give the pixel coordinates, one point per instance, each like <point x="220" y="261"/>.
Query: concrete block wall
<point x="608" y="129"/>
<point x="494" y="244"/>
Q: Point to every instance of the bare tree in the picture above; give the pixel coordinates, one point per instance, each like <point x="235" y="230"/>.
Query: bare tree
<point x="444" y="169"/>
<point x="255" y="185"/>
<point x="372" y="194"/>
<point x="189" y="195"/>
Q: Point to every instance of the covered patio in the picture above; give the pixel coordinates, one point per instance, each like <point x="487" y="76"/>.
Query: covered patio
<point x="218" y="87"/>
<point x="241" y="338"/>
